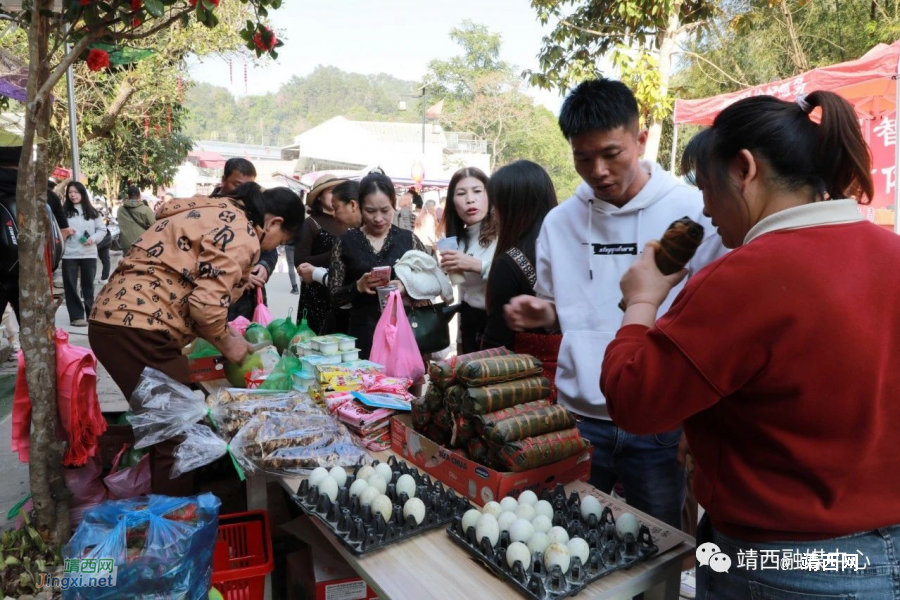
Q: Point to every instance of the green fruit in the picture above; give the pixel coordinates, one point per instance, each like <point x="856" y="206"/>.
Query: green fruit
<point x="256" y="333"/>
<point x="234" y="372"/>
<point x="282" y="330"/>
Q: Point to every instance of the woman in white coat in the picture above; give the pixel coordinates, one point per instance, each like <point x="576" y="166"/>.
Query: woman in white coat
<point x="80" y="257"/>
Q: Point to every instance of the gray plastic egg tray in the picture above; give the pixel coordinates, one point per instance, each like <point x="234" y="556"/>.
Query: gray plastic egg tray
<point x="608" y="552"/>
<point x="361" y="531"/>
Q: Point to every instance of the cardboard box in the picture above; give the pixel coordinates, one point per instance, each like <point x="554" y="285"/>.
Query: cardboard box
<point x="477" y="482"/>
<point x="207" y="368"/>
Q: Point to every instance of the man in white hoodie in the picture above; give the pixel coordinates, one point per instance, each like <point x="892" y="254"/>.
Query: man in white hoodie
<point x="585" y="247"/>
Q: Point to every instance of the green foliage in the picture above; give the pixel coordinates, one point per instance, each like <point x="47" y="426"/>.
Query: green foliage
<point x="300" y="104"/>
<point x="25" y="553"/>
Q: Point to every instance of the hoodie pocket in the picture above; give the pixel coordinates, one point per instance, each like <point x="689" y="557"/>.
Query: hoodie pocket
<point x="578" y="371"/>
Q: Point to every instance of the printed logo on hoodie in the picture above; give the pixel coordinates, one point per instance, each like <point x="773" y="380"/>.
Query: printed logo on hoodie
<point x="614" y="249"/>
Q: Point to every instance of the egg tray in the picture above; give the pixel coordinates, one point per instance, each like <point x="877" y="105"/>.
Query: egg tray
<point x="608" y="553"/>
<point x="360" y="531"/>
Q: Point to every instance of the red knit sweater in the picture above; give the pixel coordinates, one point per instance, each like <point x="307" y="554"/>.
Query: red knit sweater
<point x="783" y="361"/>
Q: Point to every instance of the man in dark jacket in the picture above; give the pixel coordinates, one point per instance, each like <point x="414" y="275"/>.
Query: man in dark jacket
<point x="237" y="172"/>
<point x="9" y="174"/>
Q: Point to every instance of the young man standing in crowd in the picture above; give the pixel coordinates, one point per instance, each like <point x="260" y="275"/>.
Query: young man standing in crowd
<point x="585" y="247"/>
<point x="134" y="218"/>
<point x="237" y="172"/>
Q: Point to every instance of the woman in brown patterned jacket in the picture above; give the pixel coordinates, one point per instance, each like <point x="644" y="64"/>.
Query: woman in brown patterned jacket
<point x="176" y="284"/>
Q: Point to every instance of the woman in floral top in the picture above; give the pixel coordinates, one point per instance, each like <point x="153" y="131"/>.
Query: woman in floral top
<point x="376" y="244"/>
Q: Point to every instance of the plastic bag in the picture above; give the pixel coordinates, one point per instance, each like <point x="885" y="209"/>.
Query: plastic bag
<point x="283" y="331"/>
<point x="394" y="344"/>
<point x="240" y="324"/>
<point x="163" y="408"/>
<point x="86" y="487"/>
<point x="161" y="547"/>
<point x="202" y="349"/>
<point x="236" y="373"/>
<point x="261" y="313"/>
<point x="281" y="377"/>
<point x="232" y="409"/>
<point x="257" y="334"/>
<point x="304" y="332"/>
<point x="128" y="482"/>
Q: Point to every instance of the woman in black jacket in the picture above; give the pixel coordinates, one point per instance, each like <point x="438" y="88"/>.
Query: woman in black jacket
<point x="521" y="195"/>
<point x="376" y="244"/>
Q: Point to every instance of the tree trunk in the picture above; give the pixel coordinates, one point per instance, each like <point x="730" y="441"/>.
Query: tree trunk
<point x="35" y="293"/>
<point x="667" y="48"/>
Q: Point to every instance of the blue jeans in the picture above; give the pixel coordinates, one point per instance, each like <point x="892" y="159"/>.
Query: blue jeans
<point x="646" y="465"/>
<point x="877" y="577"/>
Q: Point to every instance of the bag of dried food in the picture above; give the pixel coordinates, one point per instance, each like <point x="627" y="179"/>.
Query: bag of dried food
<point x="498" y="369"/>
<point x="443" y="372"/>
<point x="541" y="450"/>
<point x="481" y="400"/>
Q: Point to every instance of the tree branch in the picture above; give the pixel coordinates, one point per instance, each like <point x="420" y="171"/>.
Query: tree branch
<point x="691" y="27"/>
<point x="713" y="65"/>
<point x="155" y="29"/>
<point x="112" y="113"/>
<point x="592" y="31"/>
<point x="67" y="61"/>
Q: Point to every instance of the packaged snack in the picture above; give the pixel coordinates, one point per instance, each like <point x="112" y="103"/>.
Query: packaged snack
<point x="346" y="342"/>
<point x="327" y="372"/>
<point x="349" y="355"/>
<point x="485" y="421"/>
<point x="478" y="401"/>
<point x="542" y="450"/>
<point x="326" y="344"/>
<point x="530" y="424"/>
<point x="364" y="366"/>
<point x="443" y="372"/>
<point x="498" y="369"/>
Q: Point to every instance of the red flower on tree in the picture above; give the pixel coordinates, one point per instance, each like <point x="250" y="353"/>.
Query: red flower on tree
<point x="137" y="5"/>
<point x="85" y="2"/>
<point x="135" y="23"/>
<point x="97" y="59"/>
<point x="265" y="40"/>
<point x="213" y="2"/>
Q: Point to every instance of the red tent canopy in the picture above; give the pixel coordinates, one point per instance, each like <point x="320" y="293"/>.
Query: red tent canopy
<point x="869" y="83"/>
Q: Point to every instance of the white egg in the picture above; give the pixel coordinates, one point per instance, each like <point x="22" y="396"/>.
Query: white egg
<point x="358" y="487"/>
<point x="526" y="511"/>
<point x="385" y="471"/>
<point x="506" y="519"/>
<point x="470" y="518"/>
<point x="541" y="524"/>
<point x="517" y="551"/>
<point x="528" y="497"/>
<point x="318" y="474"/>
<point x="365" y="472"/>
<point x="377" y="481"/>
<point x="339" y="475"/>
<point x="627" y="523"/>
<point x="521" y="531"/>
<point x="590" y="506"/>
<point x="492" y="508"/>
<point x="406" y="485"/>
<point x="556" y="554"/>
<point x="416" y="508"/>
<point x="558" y="535"/>
<point x="368" y="495"/>
<point x="538" y="542"/>
<point x="328" y="487"/>
<point x="579" y="548"/>
<point x="487" y="527"/>
<point x="544" y="508"/>
<point x="509" y="504"/>
<point x="382" y="505"/>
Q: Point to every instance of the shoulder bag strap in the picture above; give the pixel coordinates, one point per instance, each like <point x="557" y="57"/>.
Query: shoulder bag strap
<point x="524" y="264"/>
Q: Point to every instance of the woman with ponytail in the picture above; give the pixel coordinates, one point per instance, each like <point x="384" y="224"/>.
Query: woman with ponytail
<point x="176" y="285"/>
<point x="779" y="358"/>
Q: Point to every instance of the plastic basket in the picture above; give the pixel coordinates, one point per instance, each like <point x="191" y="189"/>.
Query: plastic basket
<point x="243" y="555"/>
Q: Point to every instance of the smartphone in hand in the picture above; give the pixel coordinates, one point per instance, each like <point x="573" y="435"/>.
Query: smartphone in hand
<point x="380" y="276"/>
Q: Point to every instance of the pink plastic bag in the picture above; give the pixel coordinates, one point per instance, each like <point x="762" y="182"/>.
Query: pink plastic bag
<point x="86" y="487"/>
<point x="240" y="325"/>
<point x="261" y="313"/>
<point x="129" y="482"/>
<point x="394" y="344"/>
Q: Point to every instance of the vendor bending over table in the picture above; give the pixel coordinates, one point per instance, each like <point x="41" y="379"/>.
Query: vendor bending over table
<point x="780" y="357"/>
<point x="176" y="284"/>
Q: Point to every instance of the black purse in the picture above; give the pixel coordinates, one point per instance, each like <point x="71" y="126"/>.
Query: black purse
<point x="431" y="325"/>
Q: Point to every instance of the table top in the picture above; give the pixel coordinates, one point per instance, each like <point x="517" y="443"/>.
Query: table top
<point x="432" y="565"/>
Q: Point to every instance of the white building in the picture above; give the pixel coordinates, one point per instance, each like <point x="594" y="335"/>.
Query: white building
<point x="343" y="144"/>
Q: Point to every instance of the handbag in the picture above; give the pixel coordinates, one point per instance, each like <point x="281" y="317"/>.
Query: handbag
<point x="431" y="325"/>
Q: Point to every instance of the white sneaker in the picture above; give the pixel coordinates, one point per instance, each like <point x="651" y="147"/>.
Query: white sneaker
<point x="688" y="584"/>
<point x="103" y="281"/>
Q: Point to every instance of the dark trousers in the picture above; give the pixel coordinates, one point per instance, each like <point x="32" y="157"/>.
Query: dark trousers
<point x="103" y="255"/>
<point x="87" y="268"/>
<point x="472" y="322"/>
<point x="292" y="271"/>
<point x="9" y="296"/>
<point x="125" y="351"/>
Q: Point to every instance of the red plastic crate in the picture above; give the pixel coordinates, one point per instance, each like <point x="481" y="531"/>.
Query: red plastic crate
<point x="243" y="555"/>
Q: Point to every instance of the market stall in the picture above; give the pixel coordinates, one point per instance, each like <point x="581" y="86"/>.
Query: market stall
<point x="870" y="83"/>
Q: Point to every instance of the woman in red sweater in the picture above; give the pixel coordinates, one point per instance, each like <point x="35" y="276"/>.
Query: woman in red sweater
<point x="780" y="359"/>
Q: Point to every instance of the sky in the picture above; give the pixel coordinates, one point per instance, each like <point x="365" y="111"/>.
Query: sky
<point x="397" y="37"/>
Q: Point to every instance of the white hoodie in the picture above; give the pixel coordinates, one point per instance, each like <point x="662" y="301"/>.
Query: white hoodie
<point x="584" y="248"/>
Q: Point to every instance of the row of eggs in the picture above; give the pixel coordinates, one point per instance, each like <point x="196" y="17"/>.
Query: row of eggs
<point x="370" y="486"/>
<point x="529" y="523"/>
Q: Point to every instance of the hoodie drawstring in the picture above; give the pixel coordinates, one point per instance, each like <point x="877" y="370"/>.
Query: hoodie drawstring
<point x="590" y="244"/>
<point x="638" y="238"/>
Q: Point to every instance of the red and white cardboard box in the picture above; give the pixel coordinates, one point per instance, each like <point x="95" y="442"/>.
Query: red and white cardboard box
<point x="477" y="482"/>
